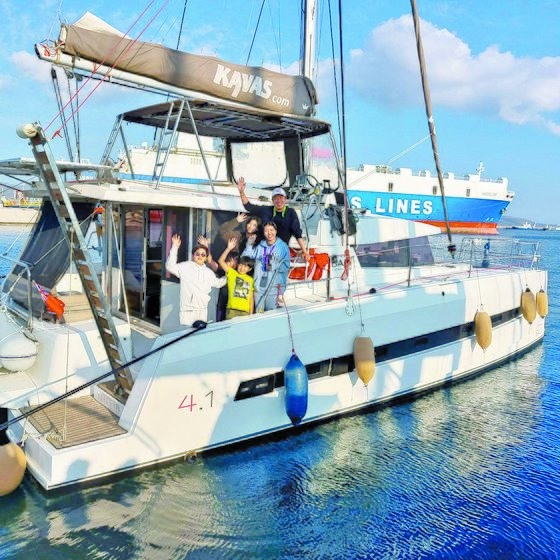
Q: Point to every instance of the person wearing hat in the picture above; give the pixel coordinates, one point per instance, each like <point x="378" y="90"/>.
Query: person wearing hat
<point x="285" y="218"/>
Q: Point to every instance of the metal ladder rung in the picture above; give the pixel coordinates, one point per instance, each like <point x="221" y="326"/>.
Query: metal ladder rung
<point x="84" y="269"/>
<point x="42" y="157"/>
<point x="91" y="286"/>
<point x="79" y="254"/>
<point x="63" y="211"/>
<point x="115" y="355"/>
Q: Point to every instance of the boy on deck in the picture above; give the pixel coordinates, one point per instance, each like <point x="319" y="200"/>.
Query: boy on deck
<point x="241" y="300"/>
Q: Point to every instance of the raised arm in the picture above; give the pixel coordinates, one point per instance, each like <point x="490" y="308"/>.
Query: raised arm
<point x="209" y="261"/>
<point x="241" y="188"/>
<point x="252" y="208"/>
<point x="228" y="229"/>
<point x="171" y="263"/>
<point x="223" y="257"/>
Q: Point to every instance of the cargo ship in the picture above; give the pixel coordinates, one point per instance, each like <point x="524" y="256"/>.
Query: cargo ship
<point x="475" y="205"/>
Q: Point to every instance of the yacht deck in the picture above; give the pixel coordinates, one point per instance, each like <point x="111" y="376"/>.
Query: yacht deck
<point x="84" y="418"/>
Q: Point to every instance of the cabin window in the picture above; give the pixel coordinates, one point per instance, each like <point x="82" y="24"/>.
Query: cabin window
<point x="390" y="187"/>
<point x="395" y="253"/>
<point x="434" y="190"/>
<point x="421" y="251"/>
<point x="176" y="221"/>
<point x="385" y="254"/>
<point x="468" y="192"/>
<point x="262" y="164"/>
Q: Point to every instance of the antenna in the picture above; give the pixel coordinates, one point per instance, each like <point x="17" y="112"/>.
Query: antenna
<point x="480" y="169"/>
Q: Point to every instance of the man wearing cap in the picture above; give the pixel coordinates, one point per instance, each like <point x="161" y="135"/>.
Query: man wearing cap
<point x="285" y="218"/>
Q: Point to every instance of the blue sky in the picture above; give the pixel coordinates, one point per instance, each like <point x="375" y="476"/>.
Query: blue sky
<point x="493" y="67"/>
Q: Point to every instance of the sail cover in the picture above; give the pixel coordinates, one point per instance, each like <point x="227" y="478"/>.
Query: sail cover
<point x="93" y="39"/>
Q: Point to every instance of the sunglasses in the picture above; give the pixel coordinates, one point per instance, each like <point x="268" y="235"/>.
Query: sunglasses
<point x="200" y="254"/>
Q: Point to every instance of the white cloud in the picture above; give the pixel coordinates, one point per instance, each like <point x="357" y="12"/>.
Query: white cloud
<point x="520" y="90"/>
<point x="31" y="66"/>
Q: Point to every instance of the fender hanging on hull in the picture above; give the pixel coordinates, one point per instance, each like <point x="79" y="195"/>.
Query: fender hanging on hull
<point x="295" y="380"/>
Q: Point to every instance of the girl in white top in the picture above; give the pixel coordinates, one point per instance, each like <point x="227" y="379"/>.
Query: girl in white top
<point x="196" y="281"/>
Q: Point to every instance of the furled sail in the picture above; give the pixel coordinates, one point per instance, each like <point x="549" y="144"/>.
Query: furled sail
<point x="92" y="39"/>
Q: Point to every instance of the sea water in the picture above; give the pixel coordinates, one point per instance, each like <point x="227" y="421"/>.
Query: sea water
<point x="469" y="471"/>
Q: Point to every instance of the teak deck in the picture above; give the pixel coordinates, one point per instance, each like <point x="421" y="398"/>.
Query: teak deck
<point x="86" y="421"/>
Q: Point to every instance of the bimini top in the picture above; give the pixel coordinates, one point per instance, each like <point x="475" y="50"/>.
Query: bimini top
<point x="236" y="124"/>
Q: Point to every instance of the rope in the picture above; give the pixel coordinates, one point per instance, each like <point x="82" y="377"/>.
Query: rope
<point x="41" y="407"/>
<point x="289" y="320"/>
<point x="359" y="301"/>
<point x="96" y="67"/>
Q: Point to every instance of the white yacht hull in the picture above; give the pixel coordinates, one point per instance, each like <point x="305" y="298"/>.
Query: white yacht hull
<point x="183" y="397"/>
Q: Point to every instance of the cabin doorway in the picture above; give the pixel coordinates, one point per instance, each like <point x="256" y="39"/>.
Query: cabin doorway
<point x="142" y="242"/>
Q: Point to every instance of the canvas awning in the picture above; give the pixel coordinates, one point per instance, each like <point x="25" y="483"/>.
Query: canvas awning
<point x="93" y="39"/>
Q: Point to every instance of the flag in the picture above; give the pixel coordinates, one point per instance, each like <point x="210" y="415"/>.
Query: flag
<point x="53" y="304"/>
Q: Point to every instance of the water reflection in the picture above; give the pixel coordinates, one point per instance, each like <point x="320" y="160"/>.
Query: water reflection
<point x="465" y="472"/>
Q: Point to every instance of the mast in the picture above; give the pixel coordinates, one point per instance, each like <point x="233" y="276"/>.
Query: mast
<point x="309" y="39"/>
<point x="431" y="125"/>
<point x="308" y="63"/>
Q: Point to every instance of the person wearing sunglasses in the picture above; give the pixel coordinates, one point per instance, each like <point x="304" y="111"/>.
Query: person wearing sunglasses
<point x="196" y="282"/>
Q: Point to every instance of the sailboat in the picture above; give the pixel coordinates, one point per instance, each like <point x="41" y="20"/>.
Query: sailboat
<point x="114" y="383"/>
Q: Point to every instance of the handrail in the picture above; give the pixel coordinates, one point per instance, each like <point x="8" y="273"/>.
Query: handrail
<point x="25" y="266"/>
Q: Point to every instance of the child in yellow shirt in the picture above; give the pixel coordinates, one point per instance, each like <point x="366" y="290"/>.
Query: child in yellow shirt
<point x="241" y="300"/>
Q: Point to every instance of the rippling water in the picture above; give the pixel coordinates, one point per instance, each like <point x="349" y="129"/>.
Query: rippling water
<point x="469" y="471"/>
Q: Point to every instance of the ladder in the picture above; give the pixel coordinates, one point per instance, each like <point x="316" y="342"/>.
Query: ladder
<point x="167" y="139"/>
<point x="112" y="140"/>
<point x="76" y="241"/>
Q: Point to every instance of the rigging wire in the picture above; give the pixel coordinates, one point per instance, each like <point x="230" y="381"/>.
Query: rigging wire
<point x="55" y="18"/>
<point x="279" y="34"/>
<point x="276" y="39"/>
<point x="58" y="96"/>
<point x="125" y="51"/>
<point x="75" y="120"/>
<point x="106" y="57"/>
<point x="347" y="260"/>
<point x="335" y="77"/>
<point x="431" y="125"/>
<point x="255" y="33"/>
<point x="391" y="160"/>
<point x="302" y="36"/>
<point x="181" y="25"/>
